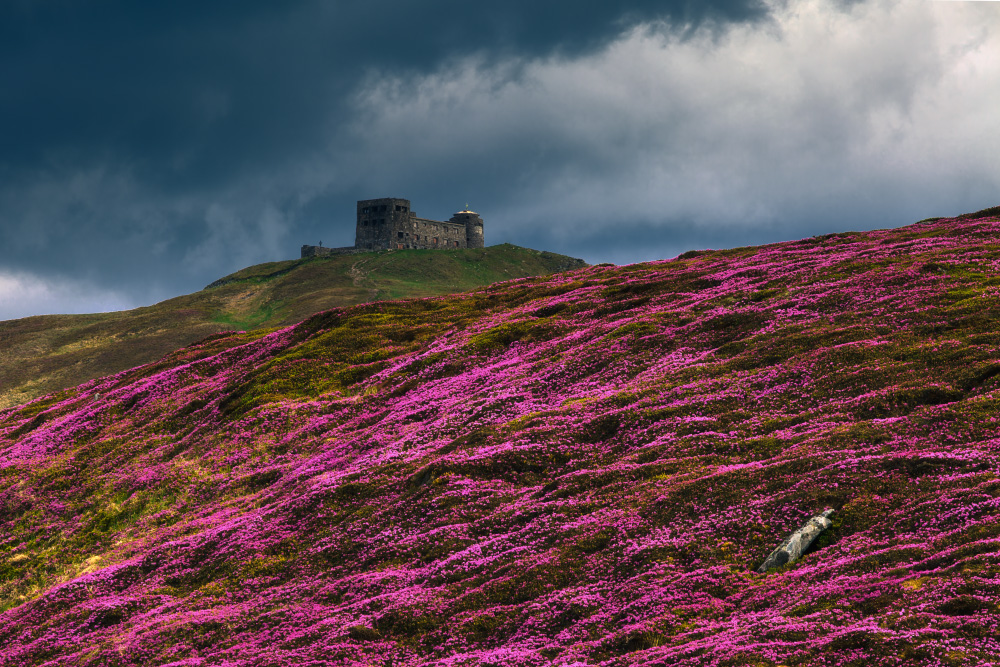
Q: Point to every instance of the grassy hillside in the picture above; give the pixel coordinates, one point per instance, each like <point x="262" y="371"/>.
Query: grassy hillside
<point x="572" y="470"/>
<point x="39" y="355"/>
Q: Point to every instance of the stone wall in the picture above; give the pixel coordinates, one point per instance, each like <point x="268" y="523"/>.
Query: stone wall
<point x="421" y="233"/>
<point x="320" y="251"/>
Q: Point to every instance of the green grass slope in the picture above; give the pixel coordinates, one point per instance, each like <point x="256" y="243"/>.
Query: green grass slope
<point x="39" y="355"/>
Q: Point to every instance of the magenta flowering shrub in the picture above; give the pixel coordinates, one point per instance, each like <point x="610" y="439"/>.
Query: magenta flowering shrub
<point x="573" y="470"/>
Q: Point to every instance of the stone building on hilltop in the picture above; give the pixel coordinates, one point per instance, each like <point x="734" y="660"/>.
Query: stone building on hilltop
<point x="390" y="224"/>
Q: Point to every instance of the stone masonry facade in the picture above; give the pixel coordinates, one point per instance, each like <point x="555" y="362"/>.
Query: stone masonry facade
<point x="391" y="224"/>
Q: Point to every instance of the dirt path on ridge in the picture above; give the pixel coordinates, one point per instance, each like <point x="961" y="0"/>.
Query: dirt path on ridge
<point x="361" y="279"/>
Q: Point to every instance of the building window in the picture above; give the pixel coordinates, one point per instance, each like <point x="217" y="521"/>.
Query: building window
<point x="399" y="235"/>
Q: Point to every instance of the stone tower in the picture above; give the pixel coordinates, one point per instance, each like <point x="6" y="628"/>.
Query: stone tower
<point x="382" y="223"/>
<point x="473" y="228"/>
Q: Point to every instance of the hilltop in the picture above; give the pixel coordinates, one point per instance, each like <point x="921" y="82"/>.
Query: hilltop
<point x="39" y="355"/>
<point x="576" y="469"/>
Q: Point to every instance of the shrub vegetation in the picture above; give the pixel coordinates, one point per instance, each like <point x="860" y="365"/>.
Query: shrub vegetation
<point x="578" y="469"/>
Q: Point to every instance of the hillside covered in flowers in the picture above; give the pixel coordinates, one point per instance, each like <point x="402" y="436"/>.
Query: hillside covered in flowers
<point x="579" y="469"/>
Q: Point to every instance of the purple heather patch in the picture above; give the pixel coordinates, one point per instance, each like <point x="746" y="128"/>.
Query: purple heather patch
<point x="573" y="470"/>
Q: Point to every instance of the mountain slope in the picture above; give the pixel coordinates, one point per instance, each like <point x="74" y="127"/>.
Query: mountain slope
<point x="39" y="355"/>
<point x="570" y="470"/>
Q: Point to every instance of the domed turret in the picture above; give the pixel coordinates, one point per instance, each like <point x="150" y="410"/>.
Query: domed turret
<point x="473" y="227"/>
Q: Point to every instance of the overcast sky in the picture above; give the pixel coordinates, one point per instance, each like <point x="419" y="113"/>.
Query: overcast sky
<point x="150" y="147"/>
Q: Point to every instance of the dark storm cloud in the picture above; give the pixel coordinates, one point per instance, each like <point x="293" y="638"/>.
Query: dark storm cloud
<point x="153" y="81"/>
<point x="143" y="138"/>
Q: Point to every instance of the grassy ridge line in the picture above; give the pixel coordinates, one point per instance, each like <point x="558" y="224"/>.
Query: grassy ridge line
<point x="40" y="355"/>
